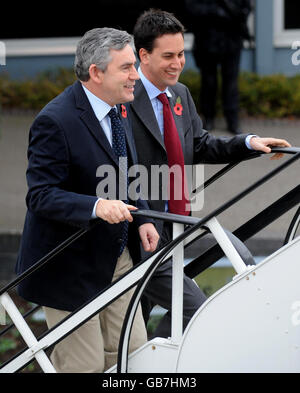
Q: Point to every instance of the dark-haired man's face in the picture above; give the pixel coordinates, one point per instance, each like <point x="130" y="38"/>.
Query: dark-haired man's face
<point x="164" y="64"/>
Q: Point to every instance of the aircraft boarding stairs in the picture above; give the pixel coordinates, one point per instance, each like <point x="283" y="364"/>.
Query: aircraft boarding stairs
<point x="252" y="324"/>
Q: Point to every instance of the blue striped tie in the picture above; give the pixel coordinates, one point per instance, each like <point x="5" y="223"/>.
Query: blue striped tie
<point x="119" y="147"/>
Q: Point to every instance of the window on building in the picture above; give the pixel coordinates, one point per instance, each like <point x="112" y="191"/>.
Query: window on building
<point x="291" y="14"/>
<point x="286" y="22"/>
<point x="53" y="29"/>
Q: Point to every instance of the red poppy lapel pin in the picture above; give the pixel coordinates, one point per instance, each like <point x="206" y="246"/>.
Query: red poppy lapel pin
<point x="123" y="111"/>
<point x="178" y="107"/>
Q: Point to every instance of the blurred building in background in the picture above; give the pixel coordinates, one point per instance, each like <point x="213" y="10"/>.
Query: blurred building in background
<point x="41" y="38"/>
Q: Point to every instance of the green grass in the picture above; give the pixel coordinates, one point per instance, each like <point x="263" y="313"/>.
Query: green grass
<point x="210" y="281"/>
<point x="214" y="278"/>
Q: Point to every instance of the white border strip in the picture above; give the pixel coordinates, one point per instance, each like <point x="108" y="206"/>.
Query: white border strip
<point x="40" y="46"/>
<point x="55" y="46"/>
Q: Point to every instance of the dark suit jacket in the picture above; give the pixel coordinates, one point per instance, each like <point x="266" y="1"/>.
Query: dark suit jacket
<point x="66" y="146"/>
<point x="198" y="145"/>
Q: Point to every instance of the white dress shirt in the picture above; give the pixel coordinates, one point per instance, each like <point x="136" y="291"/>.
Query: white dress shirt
<point x="101" y="109"/>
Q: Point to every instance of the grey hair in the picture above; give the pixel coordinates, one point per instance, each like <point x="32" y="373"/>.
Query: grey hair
<point x="94" y="48"/>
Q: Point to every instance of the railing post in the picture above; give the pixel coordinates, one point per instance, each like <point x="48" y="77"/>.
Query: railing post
<point x="177" y="287"/>
<point x="26" y="333"/>
<point x="226" y="245"/>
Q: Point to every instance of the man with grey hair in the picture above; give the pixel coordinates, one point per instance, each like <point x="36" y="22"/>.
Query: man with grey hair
<point x="75" y="134"/>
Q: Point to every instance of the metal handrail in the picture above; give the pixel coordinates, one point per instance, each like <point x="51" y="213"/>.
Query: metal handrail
<point x="294" y="225"/>
<point x="246" y="231"/>
<point x="222" y="172"/>
<point x="226" y="205"/>
<point x="72" y="314"/>
<point x="26" y="315"/>
<point x="95" y="222"/>
<point x="196" y="223"/>
<point x="131" y="310"/>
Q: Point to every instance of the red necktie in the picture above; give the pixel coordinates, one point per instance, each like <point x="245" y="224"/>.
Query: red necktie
<point x="178" y="202"/>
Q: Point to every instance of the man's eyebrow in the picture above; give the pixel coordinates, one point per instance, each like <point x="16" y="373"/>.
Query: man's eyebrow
<point x="172" y="53"/>
<point x="128" y="64"/>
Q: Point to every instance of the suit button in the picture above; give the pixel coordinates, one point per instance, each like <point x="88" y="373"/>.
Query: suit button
<point x="120" y="240"/>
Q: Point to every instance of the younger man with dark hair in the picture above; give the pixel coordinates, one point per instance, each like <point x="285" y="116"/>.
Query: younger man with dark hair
<point x="174" y="137"/>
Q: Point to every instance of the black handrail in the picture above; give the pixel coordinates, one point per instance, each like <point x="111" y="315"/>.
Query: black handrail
<point x="41" y="262"/>
<point x="196" y="223"/>
<point x="286" y="150"/>
<point x="293" y="222"/>
<point x="131" y="310"/>
<point x="223" y="171"/>
<point x="82" y="231"/>
<point x="27" y="314"/>
<point x="226" y="205"/>
<point x="245" y="231"/>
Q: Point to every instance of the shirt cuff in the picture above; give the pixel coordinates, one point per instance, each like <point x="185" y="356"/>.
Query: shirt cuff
<point x="247" y="141"/>
<point x="94" y="209"/>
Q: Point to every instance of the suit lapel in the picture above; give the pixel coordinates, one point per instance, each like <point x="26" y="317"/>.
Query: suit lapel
<point x="143" y="108"/>
<point x="90" y="120"/>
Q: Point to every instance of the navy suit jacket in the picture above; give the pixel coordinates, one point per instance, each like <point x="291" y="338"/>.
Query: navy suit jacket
<point x="66" y="146"/>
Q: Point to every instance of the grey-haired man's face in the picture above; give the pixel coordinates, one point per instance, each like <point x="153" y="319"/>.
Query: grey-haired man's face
<point x="118" y="80"/>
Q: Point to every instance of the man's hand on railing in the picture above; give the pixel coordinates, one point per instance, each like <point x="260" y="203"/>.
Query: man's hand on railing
<point x="114" y="211"/>
<point x="265" y="144"/>
<point x="149" y="237"/>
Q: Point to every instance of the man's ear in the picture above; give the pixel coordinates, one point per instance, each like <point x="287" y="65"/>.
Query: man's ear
<point x="96" y="74"/>
<point x="144" y="56"/>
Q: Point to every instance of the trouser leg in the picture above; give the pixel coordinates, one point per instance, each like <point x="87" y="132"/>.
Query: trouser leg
<point x="82" y="350"/>
<point x="93" y="347"/>
<point x="159" y="291"/>
<point x="112" y="318"/>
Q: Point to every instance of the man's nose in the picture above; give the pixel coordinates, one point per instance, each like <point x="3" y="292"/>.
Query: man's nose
<point x="134" y="74"/>
<point x="176" y="63"/>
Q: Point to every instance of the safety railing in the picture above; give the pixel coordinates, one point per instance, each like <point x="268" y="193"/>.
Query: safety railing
<point x="212" y="223"/>
<point x="138" y="275"/>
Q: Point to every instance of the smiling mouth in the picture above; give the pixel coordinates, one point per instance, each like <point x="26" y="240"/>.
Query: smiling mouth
<point x="130" y="87"/>
<point x="172" y="73"/>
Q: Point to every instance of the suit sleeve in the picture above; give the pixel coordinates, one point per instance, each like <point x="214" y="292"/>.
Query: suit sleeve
<point x="48" y="179"/>
<point x="212" y="150"/>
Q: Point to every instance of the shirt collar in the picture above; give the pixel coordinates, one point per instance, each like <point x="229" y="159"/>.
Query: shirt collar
<point x="100" y="107"/>
<point x="152" y="90"/>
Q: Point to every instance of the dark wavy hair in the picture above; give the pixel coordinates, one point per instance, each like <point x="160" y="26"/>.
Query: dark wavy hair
<point x="152" y="24"/>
